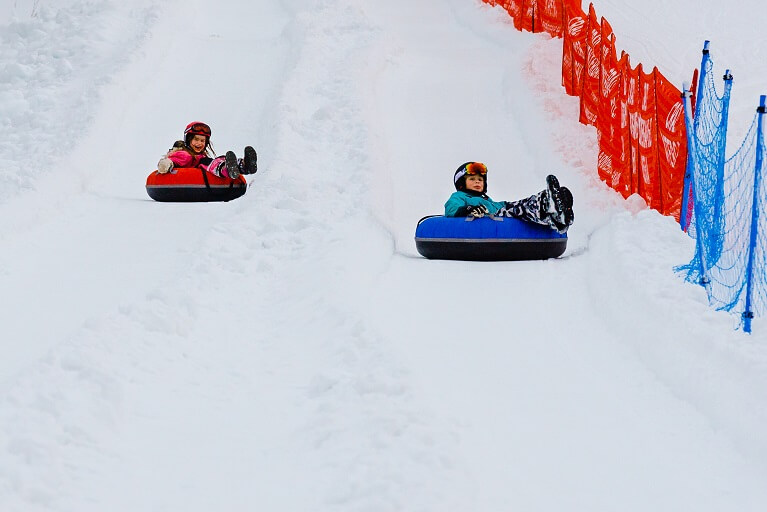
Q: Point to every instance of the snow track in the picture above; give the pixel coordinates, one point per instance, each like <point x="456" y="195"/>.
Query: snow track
<point x="289" y="350"/>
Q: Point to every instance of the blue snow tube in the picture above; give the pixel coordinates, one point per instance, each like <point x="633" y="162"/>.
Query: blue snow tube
<point x="486" y="239"/>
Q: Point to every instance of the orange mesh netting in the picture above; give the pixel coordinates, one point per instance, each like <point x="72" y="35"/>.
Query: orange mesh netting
<point x="672" y="144"/>
<point x="535" y="15"/>
<point x="574" y="48"/>
<point x="590" y="78"/>
<point x="638" y="116"/>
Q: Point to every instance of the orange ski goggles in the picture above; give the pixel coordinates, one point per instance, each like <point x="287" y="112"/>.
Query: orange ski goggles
<point x="475" y="168"/>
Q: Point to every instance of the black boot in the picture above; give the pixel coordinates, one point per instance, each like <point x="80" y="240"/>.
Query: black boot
<point x="563" y="202"/>
<point x="547" y="198"/>
<point x="231" y="165"/>
<point x="552" y="185"/>
<point x="558" y="204"/>
<point x="564" y="216"/>
<point x="249" y="163"/>
<point x="561" y="199"/>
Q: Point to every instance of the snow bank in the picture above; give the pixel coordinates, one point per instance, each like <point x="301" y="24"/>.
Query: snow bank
<point x="54" y="59"/>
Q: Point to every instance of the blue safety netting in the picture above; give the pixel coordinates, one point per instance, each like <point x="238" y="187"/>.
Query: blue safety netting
<point x="707" y="139"/>
<point x="731" y="236"/>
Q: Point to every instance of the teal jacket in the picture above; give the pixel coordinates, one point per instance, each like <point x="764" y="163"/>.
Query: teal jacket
<point x="459" y="202"/>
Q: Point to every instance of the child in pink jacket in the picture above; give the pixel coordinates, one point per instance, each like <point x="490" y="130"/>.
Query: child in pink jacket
<point x="195" y="151"/>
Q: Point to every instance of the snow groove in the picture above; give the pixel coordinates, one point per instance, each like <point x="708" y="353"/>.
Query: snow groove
<point x="364" y="421"/>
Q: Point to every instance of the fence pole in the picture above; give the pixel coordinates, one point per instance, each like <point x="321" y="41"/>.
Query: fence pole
<point x="722" y="147"/>
<point x="693" y="121"/>
<point x="702" y="77"/>
<point x="692" y="154"/>
<point x="748" y="315"/>
<point x="725" y="119"/>
<point x="686" y="98"/>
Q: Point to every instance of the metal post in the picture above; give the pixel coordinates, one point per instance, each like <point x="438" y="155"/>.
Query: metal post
<point x="690" y="179"/>
<point x="702" y="76"/>
<point x="721" y="144"/>
<point x="748" y="314"/>
<point x="686" y="98"/>
<point x="692" y="132"/>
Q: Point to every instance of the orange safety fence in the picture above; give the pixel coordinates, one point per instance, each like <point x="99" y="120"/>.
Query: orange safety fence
<point x="638" y="116"/>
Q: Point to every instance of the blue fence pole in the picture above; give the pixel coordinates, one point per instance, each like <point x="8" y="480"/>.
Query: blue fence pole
<point x="702" y="76"/>
<point x="686" y="187"/>
<point x="721" y="159"/>
<point x="725" y="107"/>
<point x="748" y="314"/>
<point x="692" y="155"/>
<point x="687" y="184"/>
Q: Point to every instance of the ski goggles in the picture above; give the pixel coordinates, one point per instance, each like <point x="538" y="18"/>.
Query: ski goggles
<point x="475" y="168"/>
<point x="471" y="169"/>
<point x="199" y="129"/>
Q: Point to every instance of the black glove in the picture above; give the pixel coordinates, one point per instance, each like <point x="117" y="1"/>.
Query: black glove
<point x="477" y="212"/>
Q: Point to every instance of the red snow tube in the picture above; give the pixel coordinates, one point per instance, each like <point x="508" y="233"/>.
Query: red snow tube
<point x="192" y="184"/>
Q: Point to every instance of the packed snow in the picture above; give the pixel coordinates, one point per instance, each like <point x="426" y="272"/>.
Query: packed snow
<point x="290" y="350"/>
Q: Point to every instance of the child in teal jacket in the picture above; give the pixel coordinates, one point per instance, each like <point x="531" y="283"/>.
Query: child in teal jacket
<point x="551" y="207"/>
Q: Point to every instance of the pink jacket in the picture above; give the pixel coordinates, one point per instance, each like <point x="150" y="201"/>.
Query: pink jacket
<point x="182" y="158"/>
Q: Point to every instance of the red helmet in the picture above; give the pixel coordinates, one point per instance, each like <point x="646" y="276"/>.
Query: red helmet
<point x="196" y="128"/>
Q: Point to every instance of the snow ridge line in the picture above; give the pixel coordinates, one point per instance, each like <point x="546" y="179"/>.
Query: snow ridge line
<point x="364" y="423"/>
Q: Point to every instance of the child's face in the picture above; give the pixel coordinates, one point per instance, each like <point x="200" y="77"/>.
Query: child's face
<point x="475" y="182"/>
<point x="197" y="143"/>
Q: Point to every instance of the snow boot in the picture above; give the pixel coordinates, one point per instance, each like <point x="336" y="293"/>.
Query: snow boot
<point x="564" y="217"/>
<point x="559" y="200"/>
<point x="232" y="169"/>
<point x="249" y="162"/>
<point x="563" y="202"/>
<point x="556" y="205"/>
<point x="546" y="203"/>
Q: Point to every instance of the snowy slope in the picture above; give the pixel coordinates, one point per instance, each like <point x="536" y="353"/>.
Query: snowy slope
<point x="290" y="350"/>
